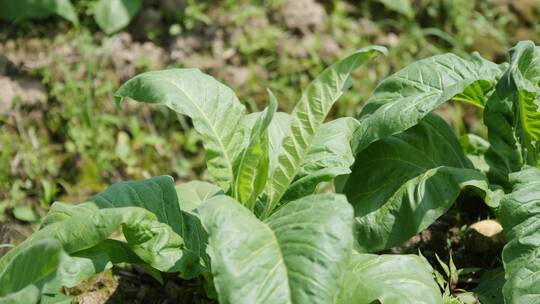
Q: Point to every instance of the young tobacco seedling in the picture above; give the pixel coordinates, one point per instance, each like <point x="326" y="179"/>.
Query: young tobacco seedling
<point x="261" y="235"/>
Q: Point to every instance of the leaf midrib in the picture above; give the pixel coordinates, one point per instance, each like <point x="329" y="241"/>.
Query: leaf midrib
<point x="281" y="261"/>
<point x="207" y="120"/>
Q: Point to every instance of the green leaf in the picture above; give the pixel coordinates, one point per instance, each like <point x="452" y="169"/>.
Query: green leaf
<point x="330" y="155"/>
<point x="401" y="184"/>
<point x="28" y="295"/>
<point x="22" y="278"/>
<point x="155" y="243"/>
<point x="251" y="166"/>
<point x="37" y="9"/>
<point x="389" y="279"/>
<point x="520" y="218"/>
<point x="194" y="193"/>
<point x="213" y="107"/>
<point x="25" y="213"/>
<point x="113" y="15"/>
<point x="296" y="256"/>
<point x="401" y="6"/>
<point x="404" y="98"/>
<point x="190" y="196"/>
<point x="512" y="115"/>
<point x="475" y="148"/>
<point x="307" y="118"/>
<point x="145" y="227"/>
<point x="157" y="195"/>
<point x="489" y="289"/>
<point x="96" y="259"/>
<point x="277" y="130"/>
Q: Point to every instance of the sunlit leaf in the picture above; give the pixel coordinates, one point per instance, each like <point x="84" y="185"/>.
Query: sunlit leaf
<point x="297" y="255"/>
<point x="213" y="107"/>
<point x="308" y="116"/>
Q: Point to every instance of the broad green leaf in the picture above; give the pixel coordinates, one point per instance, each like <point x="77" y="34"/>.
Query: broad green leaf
<point x="251" y="165"/>
<point x="148" y="234"/>
<point x="172" y="206"/>
<point x="157" y="195"/>
<point x="307" y="118"/>
<point x="389" y="279"/>
<point x="330" y="155"/>
<point x="113" y="15"/>
<point x="22" y="278"/>
<point x="512" y="114"/>
<point x="213" y="107"/>
<point x="520" y="218"/>
<point x="401" y="6"/>
<point x="401" y="184"/>
<point x="15" y="10"/>
<point x="404" y="98"/>
<point x="296" y="256"/>
<point x="154" y="242"/>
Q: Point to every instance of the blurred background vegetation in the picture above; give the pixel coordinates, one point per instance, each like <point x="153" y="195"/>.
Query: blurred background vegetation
<point x="62" y="138"/>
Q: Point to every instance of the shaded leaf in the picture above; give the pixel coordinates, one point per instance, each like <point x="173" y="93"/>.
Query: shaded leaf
<point x="96" y="259"/>
<point x="512" y="115"/>
<point x="190" y="196"/>
<point x="401" y="184"/>
<point x="489" y="289"/>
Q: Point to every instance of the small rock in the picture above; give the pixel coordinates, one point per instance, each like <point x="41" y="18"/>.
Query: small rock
<point x="489" y="228"/>
<point x="484" y="236"/>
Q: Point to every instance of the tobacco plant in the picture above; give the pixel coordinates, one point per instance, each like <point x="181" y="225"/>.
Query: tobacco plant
<point x="263" y="231"/>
